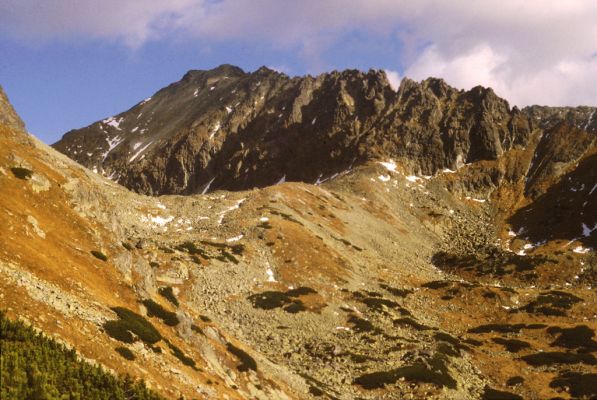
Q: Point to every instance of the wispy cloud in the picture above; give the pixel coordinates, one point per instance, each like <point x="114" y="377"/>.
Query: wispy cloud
<point x="539" y="51"/>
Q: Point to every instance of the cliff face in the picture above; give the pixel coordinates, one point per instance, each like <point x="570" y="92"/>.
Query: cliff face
<point x="227" y="129"/>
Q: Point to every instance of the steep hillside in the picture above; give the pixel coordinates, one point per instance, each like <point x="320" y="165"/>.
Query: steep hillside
<point x="429" y="271"/>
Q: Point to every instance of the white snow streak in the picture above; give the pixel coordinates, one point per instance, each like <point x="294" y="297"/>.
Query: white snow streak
<point x="113" y="122"/>
<point x="389" y="165"/>
<point x="206" y="188"/>
<point x="235" y="239"/>
<point x="139" y="152"/>
<point x="112" y="143"/>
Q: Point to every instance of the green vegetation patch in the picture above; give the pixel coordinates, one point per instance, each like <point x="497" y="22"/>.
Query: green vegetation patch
<point x="288" y="300"/>
<point x="131" y="323"/>
<point x="166" y="250"/>
<point x="99" y="255"/>
<point x="579" y="337"/>
<point x="181" y="356"/>
<point x="168" y="294"/>
<point x="556" y="357"/>
<point x="125" y="353"/>
<point x="22" y="173"/>
<point x="412" y="323"/>
<point x="156" y="310"/>
<point x="492" y="394"/>
<point x="33" y="366"/>
<point x="435" y="372"/>
<point x="578" y="384"/>
<point x="505" y="328"/>
<point x="551" y="303"/>
<point x="246" y="361"/>
<point x="191" y="248"/>
<point x="512" y="345"/>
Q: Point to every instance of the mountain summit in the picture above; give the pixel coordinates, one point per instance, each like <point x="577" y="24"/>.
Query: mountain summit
<point x="228" y="129"/>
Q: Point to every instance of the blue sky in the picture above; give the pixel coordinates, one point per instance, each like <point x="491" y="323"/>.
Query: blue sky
<point x="67" y="64"/>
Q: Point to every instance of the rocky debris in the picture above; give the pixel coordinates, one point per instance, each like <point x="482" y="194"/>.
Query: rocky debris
<point x="35" y="225"/>
<point x="64" y="302"/>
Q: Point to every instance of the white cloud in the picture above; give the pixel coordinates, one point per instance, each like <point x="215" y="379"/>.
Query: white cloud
<point x="394" y="78"/>
<point x="539" y="51"/>
<point x="132" y="22"/>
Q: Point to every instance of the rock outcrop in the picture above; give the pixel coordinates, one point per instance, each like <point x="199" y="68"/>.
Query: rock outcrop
<point x="8" y="115"/>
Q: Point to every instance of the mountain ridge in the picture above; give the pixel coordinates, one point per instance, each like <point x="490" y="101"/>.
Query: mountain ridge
<point x="228" y="129"/>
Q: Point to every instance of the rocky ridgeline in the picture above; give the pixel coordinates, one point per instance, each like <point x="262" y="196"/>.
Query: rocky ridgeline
<point x="227" y="129"/>
<point x="8" y="115"/>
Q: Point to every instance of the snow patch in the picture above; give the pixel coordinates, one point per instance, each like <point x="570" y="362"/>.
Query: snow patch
<point x="138" y="153"/>
<point x="581" y="250"/>
<point x="112" y="143"/>
<point x="586" y="231"/>
<point x="413" y="178"/>
<point x="264" y="219"/>
<point x="282" y="180"/>
<point x="206" y="188"/>
<point x="113" y="122"/>
<point x="196" y="93"/>
<point x="161" y="221"/>
<point x="235" y="239"/>
<point x="389" y="165"/>
<point x="228" y="109"/>
<point x="384" y="178"/>
<point x="270" y="275"/>
<point x="343" y="328"/>
<point x="589" y="120"/>
<point x="232" y="208"/>
<point x="314" y="120"/>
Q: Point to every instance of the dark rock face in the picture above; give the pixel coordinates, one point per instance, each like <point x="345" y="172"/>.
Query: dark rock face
<point x="227" y="129"/>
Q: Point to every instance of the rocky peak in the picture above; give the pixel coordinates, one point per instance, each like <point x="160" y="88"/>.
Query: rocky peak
<point x="8" y="115"/>
<point x="228" y="129"/>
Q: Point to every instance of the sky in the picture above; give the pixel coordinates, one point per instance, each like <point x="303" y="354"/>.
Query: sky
<point x="68" y="63"/>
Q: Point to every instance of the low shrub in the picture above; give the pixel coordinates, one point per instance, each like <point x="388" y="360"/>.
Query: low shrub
<point x="99" y="255"/>
<point x="168" y="294"/>
<point x="125" y="353"/>
<point x="136" y="324"/>
<point x="246" y="361"/>
<point x="156" y="310"/>
<point x="181" y="356"/>
<point x="22" y="173"/>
